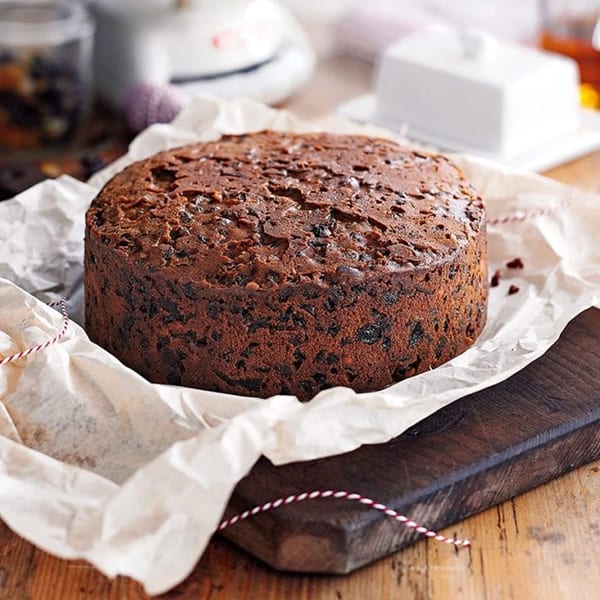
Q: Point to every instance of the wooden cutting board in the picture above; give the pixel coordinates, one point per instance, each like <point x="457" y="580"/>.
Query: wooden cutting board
<point x="472" y="454"/>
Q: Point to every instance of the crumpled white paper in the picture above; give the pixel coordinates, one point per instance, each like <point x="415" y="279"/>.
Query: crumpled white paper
<point x="97" y="463"/>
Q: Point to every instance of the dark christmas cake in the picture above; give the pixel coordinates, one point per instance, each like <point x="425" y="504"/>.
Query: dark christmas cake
<point x="276" y="263"/>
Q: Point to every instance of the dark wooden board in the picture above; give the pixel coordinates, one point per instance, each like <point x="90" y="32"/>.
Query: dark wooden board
<point x="472" y="454"/>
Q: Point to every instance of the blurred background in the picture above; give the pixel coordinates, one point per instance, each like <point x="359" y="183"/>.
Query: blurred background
<point x="78" y="79"/>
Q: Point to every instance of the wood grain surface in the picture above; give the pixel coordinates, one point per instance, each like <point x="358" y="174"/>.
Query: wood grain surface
<point x="544" y="544"/>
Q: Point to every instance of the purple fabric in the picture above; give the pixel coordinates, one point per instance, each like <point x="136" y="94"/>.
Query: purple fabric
<point x="148" y="103"/>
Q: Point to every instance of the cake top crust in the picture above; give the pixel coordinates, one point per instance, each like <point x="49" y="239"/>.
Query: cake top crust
<point x="269" y="208"/>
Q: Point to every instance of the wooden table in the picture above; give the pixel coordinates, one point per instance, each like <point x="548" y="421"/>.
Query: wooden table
<point x="542" y="544"/>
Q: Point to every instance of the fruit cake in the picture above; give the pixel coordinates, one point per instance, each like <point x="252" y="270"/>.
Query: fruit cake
<point x="278" y="263"/>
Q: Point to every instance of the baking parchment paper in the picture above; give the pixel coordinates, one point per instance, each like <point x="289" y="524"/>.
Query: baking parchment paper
<point x="98" y="463"/>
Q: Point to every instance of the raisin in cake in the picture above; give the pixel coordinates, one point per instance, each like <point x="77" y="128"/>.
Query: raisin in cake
<point x="276" y="263"/>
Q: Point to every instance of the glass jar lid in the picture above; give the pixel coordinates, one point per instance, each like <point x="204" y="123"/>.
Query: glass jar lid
<point x="43" y="22"/>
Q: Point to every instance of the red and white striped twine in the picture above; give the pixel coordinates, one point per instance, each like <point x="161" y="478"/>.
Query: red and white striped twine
<point x="518" y="217"/>
<point x="339" y="495"/>
<point x="63" y="309"/>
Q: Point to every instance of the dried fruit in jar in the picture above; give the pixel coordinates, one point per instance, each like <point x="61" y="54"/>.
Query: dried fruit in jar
<point x="41" y="99"/>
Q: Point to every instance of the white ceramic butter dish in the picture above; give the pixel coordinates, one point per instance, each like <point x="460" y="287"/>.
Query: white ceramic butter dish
<point x="466" y="91"/>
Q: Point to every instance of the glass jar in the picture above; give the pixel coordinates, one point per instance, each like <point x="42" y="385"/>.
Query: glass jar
<point x="572" y="28"/>
<point x="45" y="71"/>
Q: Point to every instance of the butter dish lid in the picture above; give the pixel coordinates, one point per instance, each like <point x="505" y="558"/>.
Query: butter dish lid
<point x="473" y="54"/>
<point x="465" y="89"/>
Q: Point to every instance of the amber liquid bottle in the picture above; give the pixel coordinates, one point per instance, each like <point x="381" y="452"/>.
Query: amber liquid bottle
<point x="573" y="28"/>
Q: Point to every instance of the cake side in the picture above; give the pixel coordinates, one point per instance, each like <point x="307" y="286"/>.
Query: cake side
<point x="295" y="339"/>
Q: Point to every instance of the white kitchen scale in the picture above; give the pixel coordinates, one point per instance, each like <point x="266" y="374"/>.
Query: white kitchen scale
<point x="252" y="48"/>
